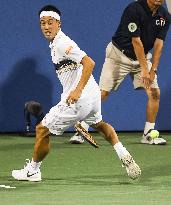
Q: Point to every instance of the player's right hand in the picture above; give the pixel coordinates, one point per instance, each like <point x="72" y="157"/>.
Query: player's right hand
<point x="73" y="96"/>
<point x="145" y="75"/>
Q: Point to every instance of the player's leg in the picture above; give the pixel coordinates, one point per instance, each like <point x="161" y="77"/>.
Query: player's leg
<point x="31" y="171"/>
<point x="151" y="114"/>
<point x="110" y="135"/>
<point x="59" y="118"/>
<point x="95" y="120"/>
<point x="152" y="107"/>
<point x="42" y="143"/>
<point x="108" y="132"/>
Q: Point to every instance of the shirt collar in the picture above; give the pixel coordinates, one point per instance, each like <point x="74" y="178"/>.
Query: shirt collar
<point x="58" y="35"/>
<point x="147" y="9"/>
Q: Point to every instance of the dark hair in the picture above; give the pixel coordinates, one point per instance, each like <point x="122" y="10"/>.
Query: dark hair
<point x="50" y="8"/>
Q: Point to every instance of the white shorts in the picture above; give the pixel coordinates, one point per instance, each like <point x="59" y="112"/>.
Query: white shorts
<point x="63" y="116"/>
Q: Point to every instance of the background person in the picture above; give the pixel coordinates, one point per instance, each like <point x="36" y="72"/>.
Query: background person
<point x="143" y="26"/>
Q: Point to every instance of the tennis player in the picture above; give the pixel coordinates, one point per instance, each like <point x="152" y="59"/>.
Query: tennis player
<point x="80" y="100"/>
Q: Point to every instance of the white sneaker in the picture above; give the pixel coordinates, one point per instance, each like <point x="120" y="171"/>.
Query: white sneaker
<point x="146" y="139"/>
<point x="27" y="174"/>
<point x="76" y="139"/>
<point x="133" y="170"/>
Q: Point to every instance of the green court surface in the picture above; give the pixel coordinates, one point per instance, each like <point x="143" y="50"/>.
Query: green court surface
<point x="83" y="175"/>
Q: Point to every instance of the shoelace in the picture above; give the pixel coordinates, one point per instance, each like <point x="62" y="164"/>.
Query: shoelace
<point x="27" y="163"/>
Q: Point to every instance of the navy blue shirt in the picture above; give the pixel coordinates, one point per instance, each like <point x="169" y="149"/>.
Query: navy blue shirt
<point x="137" y="21"/>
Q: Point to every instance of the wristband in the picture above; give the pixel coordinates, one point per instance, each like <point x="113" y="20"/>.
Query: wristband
<point x="155" y="70"/>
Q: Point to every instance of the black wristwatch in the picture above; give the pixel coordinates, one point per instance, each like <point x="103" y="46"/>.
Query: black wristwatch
<point x="155" y="70"/>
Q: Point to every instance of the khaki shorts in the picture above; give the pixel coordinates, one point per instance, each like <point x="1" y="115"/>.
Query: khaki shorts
<point x="117" y="66"/>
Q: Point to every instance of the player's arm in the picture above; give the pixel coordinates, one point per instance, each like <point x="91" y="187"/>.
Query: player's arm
<point x="140" y="54"/>
<point x="88" y="65"/>
<point x="132" y="16"/>
<point x="157" y="51"/>
<point x="158" y="46"/>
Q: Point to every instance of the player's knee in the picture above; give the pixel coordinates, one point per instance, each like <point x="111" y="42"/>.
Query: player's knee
<point x="104" y="94"/>
<point x="97" y="126"/>
<point x="42" y="132"/>
<point x="104" y="128"/>
<point x="155" y="94"/>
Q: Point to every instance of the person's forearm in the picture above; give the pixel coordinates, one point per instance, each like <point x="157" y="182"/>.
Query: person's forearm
<point x="139" y="52"/>
<point x="158" y="46"/>
<point x="88" y="65"/>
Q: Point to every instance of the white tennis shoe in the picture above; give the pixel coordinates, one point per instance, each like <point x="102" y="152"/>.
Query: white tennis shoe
<point x="132" y="169"/>
<point x="146" y="139"/>
<point x="27" y="173"/>
<point x="76" y="139"/>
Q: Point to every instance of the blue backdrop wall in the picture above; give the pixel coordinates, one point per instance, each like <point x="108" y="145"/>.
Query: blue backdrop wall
<point x="28" y="74"/>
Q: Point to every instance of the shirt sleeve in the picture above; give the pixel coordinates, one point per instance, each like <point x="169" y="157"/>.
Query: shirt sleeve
<point x="162" y="34"/>
<point x="131" y="18"/>
<point x="73" y="52"/>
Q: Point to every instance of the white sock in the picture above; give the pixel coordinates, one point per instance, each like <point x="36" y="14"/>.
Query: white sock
<point x="148" y="126"/>
<point x="35" y="165"/>
<point x="120" y="150"/>
<point x="84" y="125"/>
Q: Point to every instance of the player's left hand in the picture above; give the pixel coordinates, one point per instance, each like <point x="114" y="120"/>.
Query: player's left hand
<point x="152" y="75"/>
<point x="73" y="96"/>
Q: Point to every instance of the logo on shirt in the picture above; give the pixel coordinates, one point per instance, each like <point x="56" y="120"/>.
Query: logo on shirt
<point x="160" y="22"/>
<point x="68" y="50"/>
<point x="132" y="27"/>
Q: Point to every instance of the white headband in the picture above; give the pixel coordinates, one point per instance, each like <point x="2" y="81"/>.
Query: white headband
<point x="50" y="13"/>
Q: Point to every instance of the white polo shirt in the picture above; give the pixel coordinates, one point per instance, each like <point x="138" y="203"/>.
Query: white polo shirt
<point x="66" y="56"/>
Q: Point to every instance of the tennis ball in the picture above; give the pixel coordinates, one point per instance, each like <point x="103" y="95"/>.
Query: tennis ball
<point x="154" y="134"/>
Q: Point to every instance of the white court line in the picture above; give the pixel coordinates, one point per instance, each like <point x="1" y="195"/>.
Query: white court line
<point x="7" y="186"/>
